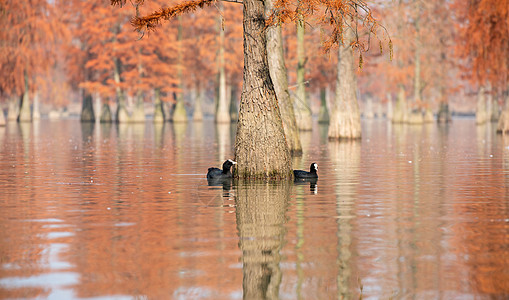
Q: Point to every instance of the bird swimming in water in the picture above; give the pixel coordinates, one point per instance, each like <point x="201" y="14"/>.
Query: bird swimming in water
<point x="216" y="173"/>
<point x="300" y="174"/>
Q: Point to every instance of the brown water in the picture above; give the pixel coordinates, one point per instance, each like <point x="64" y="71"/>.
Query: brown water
<point x="126" y="212"/>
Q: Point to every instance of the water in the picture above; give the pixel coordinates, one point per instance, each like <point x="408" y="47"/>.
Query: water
<point x="123" y="212"/>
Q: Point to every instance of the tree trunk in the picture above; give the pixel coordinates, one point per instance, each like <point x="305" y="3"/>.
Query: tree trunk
<point x="97" y="111"/>
<point x="139" y="109"/>
<point x="36" y="112"/>
<point x="480" y="114"/>
<point x="345" y="120"/>
<point x="198" y="111"/>
<point x="261" y="150"/>
<point x="416" y="115"/>
<point x="323" y="116"/>
<point x="503" y="121"/>
<point x="121" y="115"/>
<point x="234" y="111"/>
<point x="279" y="78"/>
<point x="222" y="113"/>
<point x="25" y="114"/>
<point x="159" y="116"/>
<point x="260" y="222"/>
<point x="179" y="113"/>
<point x="2" y="117"/>
<point x="13" y="110"/>
<point x="106" y="114"/>
<point x="444" y="115"/>
<point x="401" y="111"/>
<point x="390" y="110"/>
<point x="87" y="109"/>
<point x="302" y="107"/>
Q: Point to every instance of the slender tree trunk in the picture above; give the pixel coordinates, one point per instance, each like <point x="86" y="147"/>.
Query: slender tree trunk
<point x="159" y="116"/>
<point x="261" y="150"/>
<point x="444" y="115"/>
<point x="302" y="106"/>
<point x="345" y="120"/>
<point x="416" y="115"/>
<point x="87" y="109"/>
<point x="234" y="111"/>
<point x="323" y="116"/>
<point x="139" y="109"/>
<point x="369" y="111"/>
<point x="222" y="113"/>
<point x="179" y="113"/>
<point x="279" y="78"/>
<point x="25" y="114"/>
<point x="390" y="108"/>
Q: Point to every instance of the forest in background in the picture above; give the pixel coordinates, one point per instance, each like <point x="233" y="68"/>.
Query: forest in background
<point x="447" y="56"/>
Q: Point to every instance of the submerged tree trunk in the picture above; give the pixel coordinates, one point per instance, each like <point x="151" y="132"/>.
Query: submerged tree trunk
<point x="139" y="109"/>
<point x="400" y="114"/>
<point x="159" y="116"/>
<point x="261" y="150"/>
<point x="503" y="121"/>
<point x="323" y="116"/>
<point x="302" y="107"/>
<point x="2" y="117"/>
<point x="234" y="110"/>
<point x="87" y="109"/>
<point x="480" y="114"/>
<point x="121" y="115"/>
<point x="106" y="116"/>
<point x="279" y="78"/>
<point x="179" y="113"/>
<point x="444" y="114"/>
<point x="198" y="111"/>
<point x="222" y="113"/>
<point x="13" y="110"/>
<point x="345" y="122"/>
<point x="25" y="114"/>
<point x="36" y="113"/>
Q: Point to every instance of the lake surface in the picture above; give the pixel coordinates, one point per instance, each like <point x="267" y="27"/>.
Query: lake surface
<point x="123" y="212"/>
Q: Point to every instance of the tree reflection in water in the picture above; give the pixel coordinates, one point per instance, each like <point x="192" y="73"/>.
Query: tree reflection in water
<point x="261" y="218"/>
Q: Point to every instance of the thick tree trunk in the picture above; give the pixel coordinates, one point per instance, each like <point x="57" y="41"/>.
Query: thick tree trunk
<point x="279" y="77"/>
<point x="159" y="116"/>
<point x="87" y="109"/>
<point x="503" y="121"/>
<point x="13" y="110"/>
<point x="25" y="113"/>
<point x="198" y="111"/>
<point x="480" y="114"/>
<point x="36" y="112"/>
<point x="345" y="120"/>
<point x="261" y="150"/>
<point x="302" y="106"/>
<point x="222" y="113"/>
<point x="139" y="109"/>
<point x="323" y="116"/>
<point x="260" y="218"/>
<point x="2" y="117"/>
<point x="179" y="113"/>
<point x="401" y="111"/>
<point x="106" y="116"/>
<point x="121" y="116"/>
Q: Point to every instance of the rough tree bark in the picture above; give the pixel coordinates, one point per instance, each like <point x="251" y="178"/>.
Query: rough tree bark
<point x="261" y="150"/>
<point x="345" y="122"/>
<point x="279" y="77"/>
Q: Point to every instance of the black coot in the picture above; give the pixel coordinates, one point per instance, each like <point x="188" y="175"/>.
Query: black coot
<point x="215" y="173"/>
<point x="299" y="174"/>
